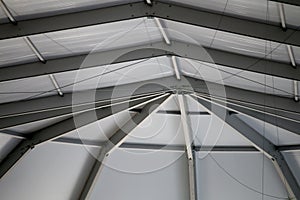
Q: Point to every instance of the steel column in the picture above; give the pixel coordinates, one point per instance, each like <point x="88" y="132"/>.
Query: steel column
<point x="188" y="136"/>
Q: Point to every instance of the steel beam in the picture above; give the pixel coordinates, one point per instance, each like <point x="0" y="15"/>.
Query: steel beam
<point x="62" y="140"/>
<point x="115" y="141"/>
<point x="13" y="113"/>
<point x="185" y="122"/>
<point x="291" y="2"/>
<point x="177" y="112"/>
<point x="61" y="128"/>
<point x="145" y="146"/>
<point x="282" y="119"/>
<point x="225" y="148"/>
<point x="160" y="9"/>
<point x="259" y="142"/>
<point x="188" y="138"/>
<point x="289" y="148"/>
<point x="284" y="106"/>
<point x="177" y="48"/>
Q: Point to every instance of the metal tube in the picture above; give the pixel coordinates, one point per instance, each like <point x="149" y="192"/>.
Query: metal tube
<point x="162" y="31"/>
<point x="291" y="55"/>
<point x="34" y="49"/>
<point x="281" y="14"/>
<point x="7" y="12"/>
<point x="296" y="91"/>
<point x="175" y="66"/>
<point x="56" y="85"/>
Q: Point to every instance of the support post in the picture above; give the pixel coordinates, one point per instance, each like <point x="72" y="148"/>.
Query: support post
<point x="188" y="144"/>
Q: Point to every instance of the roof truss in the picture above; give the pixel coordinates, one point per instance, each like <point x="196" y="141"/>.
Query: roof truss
<point x="160" y="9"/>
<point x="177" y="48"/>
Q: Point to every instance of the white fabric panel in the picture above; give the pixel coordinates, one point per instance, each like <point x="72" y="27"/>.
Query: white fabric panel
<point x="147" y="175"/>
<point x="237" y="176"/>
<point x="15" y="51"/>
<point x="172" y="104"/>
<point x="91" y="78"/>
<point x="50" y="171"/>
<point x="237" y="78"/>
<point x="26" y="88"/>
<point x="276" y="135"/>
<point x="34" y="126"/>
<point x="7" y="143"/>
<point x="24" y="9"/>
<point x="189" y="33"/>
<point x="166" y="129"/>
<point x="296" y="52"/>
<point x="293" y="160"/>
<point x="158" y="129"/>
<point x="211" y="131"/>
<point x="3" y="17"/>
<point x="97" y="38"/>
<point x="292" y="14"/>
<point x="101" y="130"/>
<point x="250" y="46"/>
<point x="255" y="9"/>
<point x="227" y="41"/>
<point x="116" y="74"/>
<point x="193" y="105"/>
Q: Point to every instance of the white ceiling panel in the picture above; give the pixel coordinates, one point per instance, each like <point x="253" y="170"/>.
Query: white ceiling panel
<point x="250" y="46"/>
<point x="237" y="176"/>
<point x="296" y="52"/>
<point x="15" y="51"/>
<point x="37" y="125"/>
<point x="189" y="33"/>
<point x="260" y="10"/>
<point x="101" y="130"/>
<point x="143" y="175"/>
<point x="47" y="168"/>
<point x="97" y="38"/>
<point x="7" y="143"/>
<point x="158" y="128"/>
<point x="26" y="88"/>
<point x="211" y="131"/>
<point x="292" y="15"/>
<point x="227" y="41"/>
<point x="173" y="105"/>
<point x="116" y="74"/>
<point x="24" y="9"/>
<point x="3" y="17"/>
<point x="276" y="135"/>
<point x="237" y="78"/>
